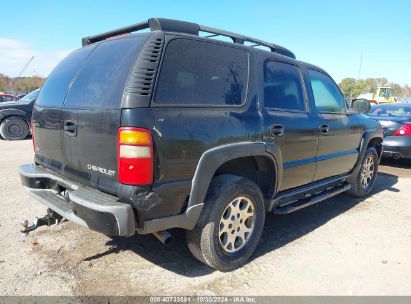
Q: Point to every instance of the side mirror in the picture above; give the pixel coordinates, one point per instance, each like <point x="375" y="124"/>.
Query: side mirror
<point x="361" y="105"/>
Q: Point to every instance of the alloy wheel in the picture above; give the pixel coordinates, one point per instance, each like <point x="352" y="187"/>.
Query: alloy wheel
<point x="367" y="172"/>
<point x="237" y="224"/>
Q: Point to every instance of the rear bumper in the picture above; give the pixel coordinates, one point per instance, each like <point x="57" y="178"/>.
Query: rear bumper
<point x="80" y="204"/>
<point x="397" y="145"/>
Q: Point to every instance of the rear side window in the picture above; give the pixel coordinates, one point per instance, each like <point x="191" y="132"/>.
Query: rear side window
<point x="101" y="81"/>
<point x="55" y="88"/>
<point x="202" y="73"/>
<point x="282" y="87"/>
<point x="327" y="96"/>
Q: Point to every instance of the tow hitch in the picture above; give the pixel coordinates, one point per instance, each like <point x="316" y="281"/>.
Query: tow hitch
<point x="49" y="219"/>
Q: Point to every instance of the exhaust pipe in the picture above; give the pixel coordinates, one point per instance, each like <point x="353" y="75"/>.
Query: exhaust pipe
<point x="163" y="236"/>
<point x="396" y="157"/>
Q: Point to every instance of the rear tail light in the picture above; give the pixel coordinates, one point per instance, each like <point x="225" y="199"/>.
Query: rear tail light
<point x="135" y="156"/>
<point x="404" y="130"/>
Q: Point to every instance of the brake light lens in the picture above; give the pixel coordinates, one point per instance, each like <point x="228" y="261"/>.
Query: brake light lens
<point x="404" y="130"/>
<point x="135" y="156"/>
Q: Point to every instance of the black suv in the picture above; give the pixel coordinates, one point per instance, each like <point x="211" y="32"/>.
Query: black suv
<point x="174" y="128"/>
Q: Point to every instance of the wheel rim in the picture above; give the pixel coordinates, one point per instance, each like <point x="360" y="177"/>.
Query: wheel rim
<point x="15" y="130"/>
<point x="237" y="224"/>
<point x="367" y="173"/>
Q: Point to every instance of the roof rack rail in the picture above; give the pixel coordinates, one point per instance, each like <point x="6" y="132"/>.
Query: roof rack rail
<point x="121" y="31"/>
<point x="169" y="25"/>
<point x="237" y="38"/>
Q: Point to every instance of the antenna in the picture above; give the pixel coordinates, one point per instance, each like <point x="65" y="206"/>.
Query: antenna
<point x="22" y="71"/>
<point x="359" y="70"/>
<point x="25" y="67"/>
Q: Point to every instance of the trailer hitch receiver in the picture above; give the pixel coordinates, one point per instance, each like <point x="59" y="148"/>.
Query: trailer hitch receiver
<point x="49" y="219"/>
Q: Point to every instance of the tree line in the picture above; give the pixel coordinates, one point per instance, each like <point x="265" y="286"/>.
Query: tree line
<point x="20" y="84"/>
<point x="353" y="87"/>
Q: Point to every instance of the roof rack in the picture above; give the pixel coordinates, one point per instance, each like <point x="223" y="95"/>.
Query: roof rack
<point x="169" y="25"/>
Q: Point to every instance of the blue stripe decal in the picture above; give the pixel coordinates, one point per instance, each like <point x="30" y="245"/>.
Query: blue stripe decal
<point x="338" y="154"/>
<point x="318" y="158"/>
<point x="299" y="162"/>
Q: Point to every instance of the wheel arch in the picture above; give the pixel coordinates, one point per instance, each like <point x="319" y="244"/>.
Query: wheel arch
<point x="369" y="138"/>
<point x="208" y="165"/>
<point x="8" y="113"/>
<point x="239" y="159"/>
<point x="376" y="142"/>
<point x="258" y="168"/>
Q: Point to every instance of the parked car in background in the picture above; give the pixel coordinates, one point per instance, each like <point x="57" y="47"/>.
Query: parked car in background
<point x="7" y="98"/>
<point x="15" y="117"/>
<point x="396" y="122"/>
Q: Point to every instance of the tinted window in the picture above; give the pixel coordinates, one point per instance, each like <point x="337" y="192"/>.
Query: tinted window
<point x="101" y="81"/>
<point x="282" y="87"/>
<point x="327" y="96"/>
<point x="55" y="88"/>
<point x="201" y="73"/>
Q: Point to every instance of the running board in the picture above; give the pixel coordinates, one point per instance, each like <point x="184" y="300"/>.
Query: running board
<point x="314" y="199"/>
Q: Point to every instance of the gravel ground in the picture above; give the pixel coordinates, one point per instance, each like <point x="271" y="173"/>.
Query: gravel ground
<point x="343" y="246"/>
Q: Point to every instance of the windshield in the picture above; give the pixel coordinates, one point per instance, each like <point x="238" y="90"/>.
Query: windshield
<point x="30" y="97"/>
<point x="385" y="92"/>
<point x="390" y="111"/>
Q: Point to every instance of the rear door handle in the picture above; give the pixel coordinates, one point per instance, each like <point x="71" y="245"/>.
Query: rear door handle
<point x="324" y="129"/>
<point x="70" y="127"/>
<point x="277" y="130"/>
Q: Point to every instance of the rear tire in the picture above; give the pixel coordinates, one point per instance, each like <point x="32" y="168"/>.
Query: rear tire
<point x="230" y="225"/>
<point x="14" y="128"/>
<point x="364" y="182"/>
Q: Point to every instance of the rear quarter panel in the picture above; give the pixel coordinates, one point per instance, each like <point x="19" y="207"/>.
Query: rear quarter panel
<point x="182" y="135"/>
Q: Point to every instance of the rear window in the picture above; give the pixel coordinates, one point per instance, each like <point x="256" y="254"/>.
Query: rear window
<point x="55" y="88"/>
<point x="202" y="73"/>
<point x="101" y="81"/>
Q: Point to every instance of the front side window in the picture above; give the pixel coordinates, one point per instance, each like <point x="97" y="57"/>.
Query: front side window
<point x="282" y="87"/>
<point x="202" y="73"/>
<point x="327" y="96"/>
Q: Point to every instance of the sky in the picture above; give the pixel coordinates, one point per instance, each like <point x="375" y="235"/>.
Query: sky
<point x="328" y="33"/>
